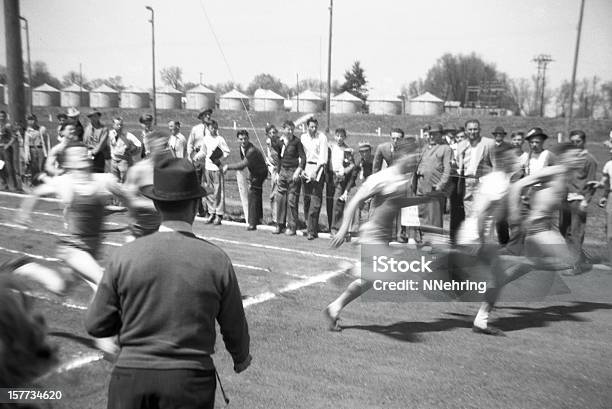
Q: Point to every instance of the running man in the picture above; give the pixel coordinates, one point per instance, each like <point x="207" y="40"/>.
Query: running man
<point x="390" y="187"/>
<point x="544" y="248"/>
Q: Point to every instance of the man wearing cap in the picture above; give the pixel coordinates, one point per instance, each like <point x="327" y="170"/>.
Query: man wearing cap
<point x="573" y="214"/>
<point x="195" y="143"/>
<point x="36" y="145"/>
<point x="166" y="343"/>
<point x="253" y="159"/>
<point x="95" y="138"/>
<point x="433" y="175"/>
<point x="146" y="123"/>
<point x="74" y="115"/>
<point x="538" y="157"/>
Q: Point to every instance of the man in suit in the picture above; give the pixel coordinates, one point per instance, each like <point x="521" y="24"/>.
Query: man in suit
<point x="433" y="175"/>
<point x="475" y="161"/>
<point x="253" y="159"/>
<point x="166" y="359"/>
<point x="501" y="225"/>
<point x="387" y="152"/>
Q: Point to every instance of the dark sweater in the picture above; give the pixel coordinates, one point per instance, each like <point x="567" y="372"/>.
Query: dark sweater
<point x="162" y="294"/>
<point x="252" y="159"/>
<point x="294" y="155"/>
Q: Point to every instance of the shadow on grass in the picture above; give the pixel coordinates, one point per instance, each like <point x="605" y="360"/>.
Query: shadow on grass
<point x="525" y="317"/>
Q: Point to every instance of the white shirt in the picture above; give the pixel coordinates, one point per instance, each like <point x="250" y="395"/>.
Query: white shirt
<point x="337" y="157"/>
<point x="178" y="144"/>
<point x="196" y="138"/>
<point x="210" y="144"/>
<point x="316" y="151"/>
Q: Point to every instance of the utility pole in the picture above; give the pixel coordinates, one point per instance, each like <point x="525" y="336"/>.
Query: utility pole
<point x="200" y="78"/>
<point x="568" y="117"/>
<point x="152" y="21"/>
<point x="297" y="92"/>
<point x="14" y="59"/>
<point x="329" y="59"/>
<point x="542" y="60"/>
<point x="27" y="30"/>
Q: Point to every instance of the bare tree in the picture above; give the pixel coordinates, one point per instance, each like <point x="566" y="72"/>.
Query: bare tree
<point x="172" y="77"/>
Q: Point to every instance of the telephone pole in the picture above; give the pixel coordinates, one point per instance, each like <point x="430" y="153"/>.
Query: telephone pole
<point x="329" y="57"/>
<point x="27" y="30"/>
<point x="542" y="60"/>
<point x="568" y="117"/>
<point x="152" y="21"/>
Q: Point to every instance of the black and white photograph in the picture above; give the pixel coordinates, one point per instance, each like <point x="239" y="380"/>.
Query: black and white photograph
<point x="306" y="204"/>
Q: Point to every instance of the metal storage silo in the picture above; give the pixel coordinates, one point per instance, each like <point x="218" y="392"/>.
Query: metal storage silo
<point x="307" y="102"/>
<point x="426" y="104"/>
<point x="200" y="98"/>
<point x="168" y="98"/>
<point x="381" y="104"/>
<point x="345" y="103"/>
<point x="233" y="101"/>
<point x="134" y="98"/>
<point x="104" y="97"/>
<point x="265" y="100"/>
<point x="74" y="96"/>
<point x="46" y="96"/>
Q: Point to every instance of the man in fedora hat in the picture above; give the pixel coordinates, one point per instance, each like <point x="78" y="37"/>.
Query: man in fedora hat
<point x="74" y="115"/>
<point x="167" y="357"/>
<point x="195" y="144"/>
<point x="95" y="138"/>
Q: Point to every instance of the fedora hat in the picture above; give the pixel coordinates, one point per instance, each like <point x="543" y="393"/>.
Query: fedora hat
<point x="144" y="118"/>
<point x="533" y="132"/>
<point x="499" y="130"/>
<point x="205" y="112"/>
<point x="94" y="112"/>
<point x="174" y="179"/>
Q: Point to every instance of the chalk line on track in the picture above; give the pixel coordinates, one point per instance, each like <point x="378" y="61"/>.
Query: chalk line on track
<point x="236" y="242"/>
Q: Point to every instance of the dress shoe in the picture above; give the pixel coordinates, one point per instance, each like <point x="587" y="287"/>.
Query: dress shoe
<point x="311" y="236"/>
<point x="290" y="232"/>
<point x="250" y="227"/>
<point x="218" y="220"/>
<point x="277" y="230"/>
<point x="210" y="219"/>
<point x="488" y="330"/>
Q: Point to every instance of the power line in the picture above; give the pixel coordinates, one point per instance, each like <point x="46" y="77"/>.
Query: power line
<point x="542" y="60"/>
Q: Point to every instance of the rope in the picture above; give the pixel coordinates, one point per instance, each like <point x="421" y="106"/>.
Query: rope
<point x="229" y="69"/>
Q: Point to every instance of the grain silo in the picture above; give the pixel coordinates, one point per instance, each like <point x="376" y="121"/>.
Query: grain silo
<point x="233" y="101"/>
<point x="134" y="98"/>
<point x="265" y="100"/>
<point x="104" y="97"/>
<point x="46" y="96"/>
<point x="426" y="104"/>
<point x="307" y="102"/>
<point x="168" y="98"/>
<point x="74" y="96"/>
<point x="345" y="103"/>
<point x="200" y="98"/>
<point x="382" y="104"/>
<point x="26" y="90"/>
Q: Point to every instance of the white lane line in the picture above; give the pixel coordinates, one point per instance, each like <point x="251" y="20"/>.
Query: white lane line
<point x="43" y="297"/>
<point x="24" y="195"/>
<point x="256" y="245"/>
<point x="23" y="253"/>
<point x="296" y="285"/>
<point x="79" y="362"/>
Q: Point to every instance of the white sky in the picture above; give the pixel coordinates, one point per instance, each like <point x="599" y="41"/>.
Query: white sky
<point x="396" y="41"/>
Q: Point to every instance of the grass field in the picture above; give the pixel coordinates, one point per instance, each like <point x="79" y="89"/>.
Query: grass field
<point x="394" y="355"/>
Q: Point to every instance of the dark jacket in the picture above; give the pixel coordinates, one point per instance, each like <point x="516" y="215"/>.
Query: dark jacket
<point x="253" y="159"/>
<point x="293" y="156"/>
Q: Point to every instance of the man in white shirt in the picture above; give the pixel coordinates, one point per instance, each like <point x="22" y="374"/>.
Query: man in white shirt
<point x="177" y="142"/>
<point x="123" y="146"/>
<point x="212" y="143"/>
<point x="315" y="147"/>
<point x="195" y="143"/>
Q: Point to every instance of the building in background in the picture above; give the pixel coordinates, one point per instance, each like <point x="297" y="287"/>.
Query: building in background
<point x="135" y="98"/>
<point x="425" y="104"/>
<point x="168" y="98"/>
<point x="234" y="101"/>
<point x="265" y="100"/>
<point x="46" y="96"/>
<point x="200" y="98"/>
<point x="381" y="104"/>
<point x="104" y="97"/>
<point x="307" y="102"/>
<point x="74" y="96"/>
